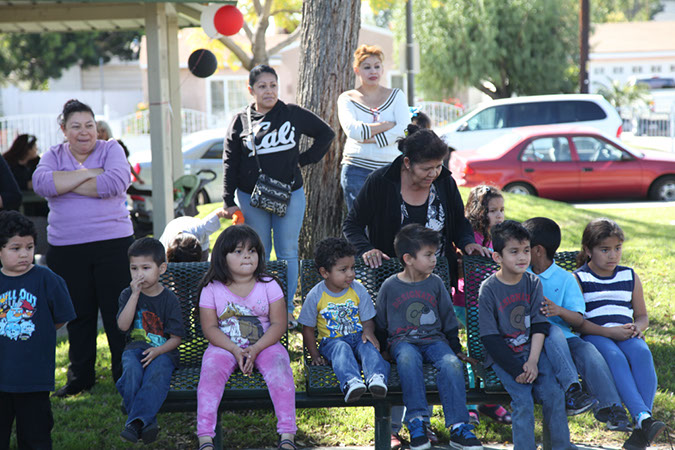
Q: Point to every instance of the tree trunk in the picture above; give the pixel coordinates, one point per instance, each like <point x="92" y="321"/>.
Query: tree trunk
<point x="329" y="36"/>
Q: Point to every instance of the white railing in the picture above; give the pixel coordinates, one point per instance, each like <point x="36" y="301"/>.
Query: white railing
<point x="138" y="123"/>
<point x="43" y="126"/>
<point x="440" y="113"/>
<point x="641" y="122"/>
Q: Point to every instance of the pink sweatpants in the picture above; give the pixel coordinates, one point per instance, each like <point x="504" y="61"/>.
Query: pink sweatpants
<point x="218" y="364"/>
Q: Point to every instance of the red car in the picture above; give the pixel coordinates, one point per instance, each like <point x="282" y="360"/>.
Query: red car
<point x="566" y="163"/>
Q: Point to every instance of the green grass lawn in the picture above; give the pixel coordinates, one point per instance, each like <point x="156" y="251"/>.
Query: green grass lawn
<point x="94" y="420"/>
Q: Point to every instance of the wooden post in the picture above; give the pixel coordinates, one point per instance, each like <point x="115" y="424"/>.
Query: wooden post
<point x="158" y="96"/>
<point x="584" y="24"/>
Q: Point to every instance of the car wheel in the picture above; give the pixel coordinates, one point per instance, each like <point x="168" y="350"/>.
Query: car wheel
<point x="663" y="189"/>
<point x="203" y="197"/>
<point x="520" y="189"/>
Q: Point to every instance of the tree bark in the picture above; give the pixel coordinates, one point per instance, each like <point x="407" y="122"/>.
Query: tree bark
<point x="329" y="37"/>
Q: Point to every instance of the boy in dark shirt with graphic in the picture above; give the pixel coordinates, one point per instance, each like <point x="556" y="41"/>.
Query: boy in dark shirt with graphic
<point x="34" y="303"/>
<point x="513" y="329"/>
<point x="415" y="314"/>
<point x="150" y="315"/>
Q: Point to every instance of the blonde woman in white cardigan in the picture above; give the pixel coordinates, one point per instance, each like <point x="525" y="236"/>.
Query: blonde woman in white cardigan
<point x="373" y="117"/>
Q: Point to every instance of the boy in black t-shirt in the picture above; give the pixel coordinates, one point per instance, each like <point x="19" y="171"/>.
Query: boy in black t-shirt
<point x="34" y="303"/>
<point x="150" y="315"/>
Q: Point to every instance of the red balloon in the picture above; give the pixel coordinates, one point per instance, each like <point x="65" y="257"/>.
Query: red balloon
<point x="228" y="20"/>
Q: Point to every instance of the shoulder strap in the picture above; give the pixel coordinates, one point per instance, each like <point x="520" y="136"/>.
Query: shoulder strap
<point x="252" y="134"/>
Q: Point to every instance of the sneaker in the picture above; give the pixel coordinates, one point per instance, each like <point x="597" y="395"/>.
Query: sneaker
<point x="355" y="390"/>
<point x="617" y="420"/>
<point x="577" y="401"/>
<point x="69" y="390"/>
<point x="418" y="435"/>
<point x="652" y="428"/>
<point x="397" y="441"/>
<point x="378" y="386"/>
<point x="496" y="412"/>
<point x="149" y="433"/>
<point x="433" y="439"/>
<point x="474" y="419"/>
<point x="636" y="441"/>
<point x="462" y="438"/>
<point x="132" y="431"/>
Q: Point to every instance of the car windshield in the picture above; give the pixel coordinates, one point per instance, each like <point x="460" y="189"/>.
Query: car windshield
<point x="633" y="150"/>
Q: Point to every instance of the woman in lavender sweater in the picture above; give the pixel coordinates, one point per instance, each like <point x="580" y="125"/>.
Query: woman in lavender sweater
<point x="89" y="231"/>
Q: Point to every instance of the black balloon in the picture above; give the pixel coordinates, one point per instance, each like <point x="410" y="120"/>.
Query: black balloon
<point x="202" y="63"/>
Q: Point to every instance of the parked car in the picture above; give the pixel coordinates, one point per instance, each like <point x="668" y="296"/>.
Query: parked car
<point x="657" y="82"/>
<point x="201" y="150"/>
<point x="566" y="163"/>
<point x="493" y="119"/>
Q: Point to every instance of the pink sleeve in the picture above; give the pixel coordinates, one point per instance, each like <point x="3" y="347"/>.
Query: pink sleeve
<point x="207" y="298"/>
<point x="117" y="176"/>
<point x="274" y="291"/>
<point x="43" y="177"/>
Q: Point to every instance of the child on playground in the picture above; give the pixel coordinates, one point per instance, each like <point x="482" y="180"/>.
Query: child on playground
<point x="343" y="312"/>
<point x="243" y="316"/>
<point x="150" y="317"/>
<point x="569" y="354"/>
<point x="616" y="318"/>
<point x="512" y="329"/>
<point x="414" y="314"/>
<point x="34" y="303"/>
<point x="484" y="209"/>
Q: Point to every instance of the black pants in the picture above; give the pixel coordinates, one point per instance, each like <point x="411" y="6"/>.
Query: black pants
<point x="34" y="420"/>
<point x="95" y="273"/>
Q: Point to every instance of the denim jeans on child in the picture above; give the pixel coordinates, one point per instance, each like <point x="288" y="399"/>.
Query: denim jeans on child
<point x="144" y="390"/>
<point x="632" y="367"/>
<point x="352" y="179"/>
<point x="218" y="364"/>
<point x="588" y="361"/>
<point x="450" y="380"/>
<point x="546" y="390"/>
<point x="285" y="230"/>
<point x="343" y="352"/>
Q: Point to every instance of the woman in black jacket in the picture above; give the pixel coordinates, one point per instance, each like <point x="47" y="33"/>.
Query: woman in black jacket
<point x="414" y="188"/>
<point x="10" y="195"/>
<point x="276" y="128"/>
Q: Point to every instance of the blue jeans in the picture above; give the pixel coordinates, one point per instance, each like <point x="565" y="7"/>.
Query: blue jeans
<point x="588" y="361"/>
<point x="343" y="351"/>
<point x="632" y="367"/>
<point x="143" y="391"/>
<point x="352" y="179"/>
<point x="560" y="358"/>
<point x="546" y="390"/>
<point x="450" y="380"/>
<point x="285" y="230"/>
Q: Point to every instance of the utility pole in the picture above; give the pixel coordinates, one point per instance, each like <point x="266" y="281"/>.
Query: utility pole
<point x="584" y="25"/>
<point x="409" y="53"/>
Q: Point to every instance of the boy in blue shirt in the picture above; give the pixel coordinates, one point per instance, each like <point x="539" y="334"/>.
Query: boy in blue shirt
<point x="416" y="318"/>
<point x="342" y="311"/>
<point x="34" y="303"/>
<point x="150" y="316"/>
<point x="512" y="329"/>
<point x="564" y="306"/>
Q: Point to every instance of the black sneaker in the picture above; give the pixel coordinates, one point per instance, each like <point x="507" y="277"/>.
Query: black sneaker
<point x="462" y="438"/>
<point x="149" y="433"/>
<point x="132" y="431"/>
<point x="577" y="401"/>
<point x="636" y="441"/>
<point x="652" y="428"/>
<point x="418" y="435"/>
<point x="68" y="390"/>
<point x="617" y="419"/>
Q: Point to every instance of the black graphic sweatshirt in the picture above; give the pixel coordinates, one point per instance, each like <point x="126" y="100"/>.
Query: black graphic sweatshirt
<point x="277" y="140"/>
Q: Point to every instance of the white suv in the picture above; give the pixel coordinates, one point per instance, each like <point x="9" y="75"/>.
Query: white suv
<point x="493" y="119"/>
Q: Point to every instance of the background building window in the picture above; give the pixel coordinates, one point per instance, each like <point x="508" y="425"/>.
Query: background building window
<point x="637" y="69"/>
<point x="617" y="70"/>
<point x="656" y="69"/>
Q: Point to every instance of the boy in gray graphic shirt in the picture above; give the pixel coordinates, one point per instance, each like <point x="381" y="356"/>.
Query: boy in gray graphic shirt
<point x="415" y="313"/>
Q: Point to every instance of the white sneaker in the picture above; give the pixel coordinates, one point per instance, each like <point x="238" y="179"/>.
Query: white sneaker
<point x="355" y="391"/>
<point x="377" y="386"/>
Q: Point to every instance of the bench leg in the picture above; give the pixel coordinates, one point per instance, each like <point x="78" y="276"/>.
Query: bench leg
<point x="382" y="426"/>
<point x="218" y="440"/>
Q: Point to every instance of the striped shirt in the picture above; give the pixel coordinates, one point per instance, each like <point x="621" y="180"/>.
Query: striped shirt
<point x="355" y="116"/>
<point x="608" y="299"/>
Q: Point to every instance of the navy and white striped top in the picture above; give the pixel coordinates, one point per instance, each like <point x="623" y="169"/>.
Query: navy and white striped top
<point x="608" y="299"/>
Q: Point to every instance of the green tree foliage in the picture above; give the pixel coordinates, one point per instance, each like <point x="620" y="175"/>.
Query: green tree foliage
<point x="522" y="47"/>
<point x="625" y="94"/>
<point x="34" y="58"/>
<point x="624" y="10"/>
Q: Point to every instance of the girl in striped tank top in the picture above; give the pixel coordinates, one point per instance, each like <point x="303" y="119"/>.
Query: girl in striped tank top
<point x="616" y="318"/>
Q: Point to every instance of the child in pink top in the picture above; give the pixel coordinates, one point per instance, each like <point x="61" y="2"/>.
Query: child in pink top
<point x="484" y="209"/>
<point x="243" y="316"/>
